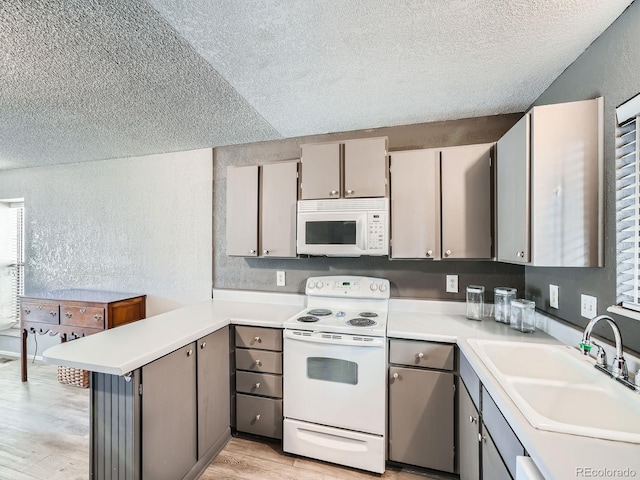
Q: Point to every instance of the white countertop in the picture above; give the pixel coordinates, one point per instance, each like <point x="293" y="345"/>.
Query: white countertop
<point x="120" y="350"/>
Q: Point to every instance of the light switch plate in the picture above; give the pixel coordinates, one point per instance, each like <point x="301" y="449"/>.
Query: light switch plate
<point x="554" y="295"/>
<point x="452" y="283"/>
<point x="588" y="306"/>
<point x="280" y="278"/>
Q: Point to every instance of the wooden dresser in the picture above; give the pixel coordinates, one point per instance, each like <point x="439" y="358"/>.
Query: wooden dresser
<point x="75" y="313"/>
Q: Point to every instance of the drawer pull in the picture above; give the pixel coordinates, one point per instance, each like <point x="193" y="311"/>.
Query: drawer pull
<point x="83" y="310"/>
<point x="257" y="417"/>
<point x="97" y="317"/>
<point x="27" y="311"/>
<point x="258" y="363"/>
<point x="257" y="340"/>
<point x="189" y="352"/>
<point x="395" y="375"/>
<point x="257" y="385"/>
<point x="203" y="344"/>
<point x="481" y="438"/>
<point x="53" y="313"/>
<point x="68" y="314"/>
<point x="472" y="419"/>
<point x="420" y="355"/>
<point x="39" y="307"/>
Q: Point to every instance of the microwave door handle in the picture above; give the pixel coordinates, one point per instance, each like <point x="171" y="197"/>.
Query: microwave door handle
<point x="361" y="233"/>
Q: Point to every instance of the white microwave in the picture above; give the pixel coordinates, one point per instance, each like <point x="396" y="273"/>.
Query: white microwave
<point x="343" y="228"/>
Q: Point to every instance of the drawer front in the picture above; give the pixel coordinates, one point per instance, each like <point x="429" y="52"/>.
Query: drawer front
<point x="258" y="361"/>
<point x="79" y="316"/>
<point x="421" y="354"/>
<point x="259" y="415"/>
<point x="505" y="440"/>
<point x="470" y="379"/>
<point x="259" y="384"/>
<point x="40" y="312"/>
<point x="259" y="338"/>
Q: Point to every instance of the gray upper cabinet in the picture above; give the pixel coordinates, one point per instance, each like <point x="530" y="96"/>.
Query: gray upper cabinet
<point x="242" y="211"/>
<point x="262" y="224"/>
<point x="352" y="169"/>
<point x="549" y="187"/>
<point x="466" y="201"/>
<point x="279" y="195"/>
<point x="365" y="168"/>
<point x="415" y="204"/>
<point x="321" y="177"/>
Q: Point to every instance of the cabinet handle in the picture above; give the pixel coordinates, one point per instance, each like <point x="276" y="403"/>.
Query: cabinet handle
<point x="350" y="192"/>
<point x="189" y="352"/>
<point x="53" y="313"/>
<point x="82" y="310"/>
<point x="472" y="419"/>
<point x="447" y="253"/>
<point x="395" y="375"/>
<point x="429" y="253"/>
<point x="258" y="363"/>
<point x="520" y="254"/>
<point x="27" y="311"/>
<point x="257" y="385"/>
<point x="481" y="438"/>
<point x="333" y="192"/>
<point x="39" y="307"/>
<point x="68" y="314"/>
<point x="257" y="417"/>
<point x="252" y="251"/>
<point x="420" y="355"/>
<point x="265" y="252"/>
<point x="203" y="344"/>
<point x="257" y="340"/>
<point x="97" y="317"/>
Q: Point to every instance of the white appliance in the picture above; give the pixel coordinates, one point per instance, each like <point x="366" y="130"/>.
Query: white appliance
<point x="343" y="228"/>
<point x="334" y="375"/>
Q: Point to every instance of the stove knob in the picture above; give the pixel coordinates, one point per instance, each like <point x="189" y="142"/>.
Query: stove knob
<point x="383" y="287"/>
<point x="373" y="287"/>
<point x="319" y="284"/>
<point x="311" y="284"/>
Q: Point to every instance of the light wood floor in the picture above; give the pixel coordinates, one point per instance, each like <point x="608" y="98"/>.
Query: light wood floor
<point x="44" y="435"/>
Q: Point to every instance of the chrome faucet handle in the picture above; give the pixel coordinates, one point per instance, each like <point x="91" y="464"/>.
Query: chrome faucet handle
<point x="619" y="368"/>
<point x="601" y="355"/>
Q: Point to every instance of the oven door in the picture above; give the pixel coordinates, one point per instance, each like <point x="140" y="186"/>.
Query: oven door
<point x="335" y="380"/>
<point x="339" y="234"/>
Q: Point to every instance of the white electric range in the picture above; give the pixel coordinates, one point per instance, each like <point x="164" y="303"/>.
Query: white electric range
<point x="334" y="372"/>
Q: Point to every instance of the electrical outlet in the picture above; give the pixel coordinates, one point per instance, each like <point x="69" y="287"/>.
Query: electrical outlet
<point x="452" y="283"/>
<point x="588" y="306"/>
<point x="280" y="278"/>
<point x="554" y="296"/>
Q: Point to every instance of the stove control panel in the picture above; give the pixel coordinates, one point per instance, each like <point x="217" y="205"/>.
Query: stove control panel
<point x="348" y="286"/>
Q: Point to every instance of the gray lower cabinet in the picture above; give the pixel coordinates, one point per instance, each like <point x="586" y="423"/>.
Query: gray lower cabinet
<point x="421" y="407"/>
<point x="468" y="441"/>
<point x="165" y="420"/>
<point x="493" y="468"/>
<point x="258" y="381"/>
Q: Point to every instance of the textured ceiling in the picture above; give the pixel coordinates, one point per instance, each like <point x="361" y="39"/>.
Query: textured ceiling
<point x="85" y="80"/>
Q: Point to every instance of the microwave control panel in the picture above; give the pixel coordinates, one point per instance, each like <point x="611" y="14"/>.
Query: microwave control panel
<point x="377" y="231"/>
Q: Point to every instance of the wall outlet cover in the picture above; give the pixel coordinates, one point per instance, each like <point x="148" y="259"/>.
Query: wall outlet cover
<point x="280" y="278"/>
<point x="588" y="306"/>
<point x="452" y="283"/>
<point x="554" y="296"/>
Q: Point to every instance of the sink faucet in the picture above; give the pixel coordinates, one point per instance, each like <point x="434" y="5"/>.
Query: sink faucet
<point x="619" y="366"/>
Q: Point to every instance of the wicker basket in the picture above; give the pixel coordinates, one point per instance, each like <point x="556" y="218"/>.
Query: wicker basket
<point x="73" y="376"/>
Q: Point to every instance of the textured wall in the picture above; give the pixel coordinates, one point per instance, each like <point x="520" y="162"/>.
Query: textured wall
<point x="409" y="278"/>
<point x="140" y="224"/>
<point x="610" y="67"/>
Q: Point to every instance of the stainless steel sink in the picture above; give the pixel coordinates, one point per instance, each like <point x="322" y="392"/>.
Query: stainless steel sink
<point x="558" y="389"/>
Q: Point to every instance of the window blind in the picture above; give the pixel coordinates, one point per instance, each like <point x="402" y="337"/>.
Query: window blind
<point x="16" y="267"/>
<point x="628" y="210"/>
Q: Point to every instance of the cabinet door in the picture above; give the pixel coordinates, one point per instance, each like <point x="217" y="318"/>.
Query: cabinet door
<point x="492" y="465"/>
<point x="169" y="417"/>
<point x="468" y="430"/>
<point x="415" y="204"/>
<point x="320" y="171"/>
<point x="466" y="201"/>
<point x="421" y="418"/>
<point x="278" y="209"/>
<point x="365" y="168"/>
<point x="513" y="194"/>
<point x="213" y="388"/>
<point x="242" y="211"/>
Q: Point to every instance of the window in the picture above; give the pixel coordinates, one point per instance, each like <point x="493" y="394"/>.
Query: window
<point x="11" y="262"/>
<point x="628" y="204"/>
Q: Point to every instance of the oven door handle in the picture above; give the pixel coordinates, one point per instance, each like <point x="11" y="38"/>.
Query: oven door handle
<point x="347" y="340"/>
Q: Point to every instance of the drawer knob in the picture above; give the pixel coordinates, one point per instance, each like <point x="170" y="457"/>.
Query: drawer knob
<point x="68" y="314"/>
<point x="53" y="313"/>
<point x="420" y="355"/>
<point x="189" y="352"/>
<point x="472" y="419"/>
<point x="203" y="344"/>
<point x="350" y="192"/>
<point x="83" y="310"/>
<point x="447" y="253"/>
<point x="252" y="251"/>
<point x="481" y="437"/>
<point x="257" y="340"/>
<point x="258" y="363"/>
<point x="265" y="252"/>
<point x="257" y="417"/>
<point x="333" y="192"/>
<point x="429" y="253"/>
<point x="39" y="307"/>
<point x="97" y="317"/>
<point x="27" y="311"/>
<point x="395" y="375"/>
<point x="257" y="385"/>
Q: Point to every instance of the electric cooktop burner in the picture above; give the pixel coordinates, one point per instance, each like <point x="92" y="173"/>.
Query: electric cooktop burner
<point x="368" y="314"/>
<point x="308" y="319"/>
<point x="361" y="322"/>
<point x="320" y="312"/>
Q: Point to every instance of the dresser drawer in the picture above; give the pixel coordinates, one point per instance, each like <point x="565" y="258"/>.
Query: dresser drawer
<point x="40" y="312"/>
<point x="421" y="354"/>
<point x="259" y="384"/>
<point x="258" y="360"/>
<point x="259" y="338"/>
<point x="79" y="316"/>
<point x="259" y="415"/>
